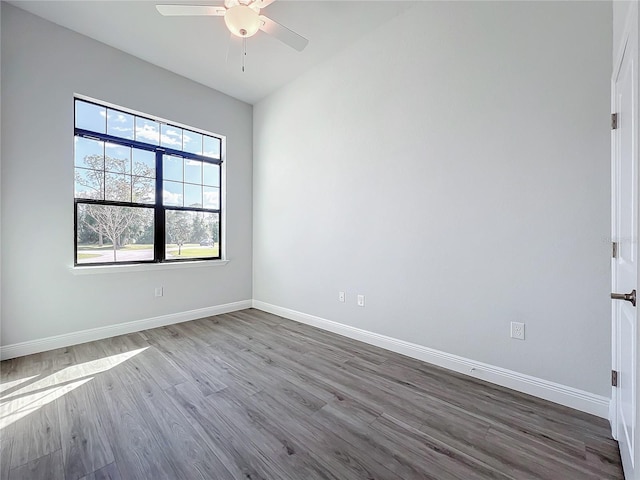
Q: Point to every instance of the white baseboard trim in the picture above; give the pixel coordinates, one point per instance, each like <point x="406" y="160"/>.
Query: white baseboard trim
<point x="60" y="341"/>
<point x="571" y="397"/>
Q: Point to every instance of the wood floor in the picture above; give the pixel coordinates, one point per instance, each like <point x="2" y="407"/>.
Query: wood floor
<point x="253" y="396"/>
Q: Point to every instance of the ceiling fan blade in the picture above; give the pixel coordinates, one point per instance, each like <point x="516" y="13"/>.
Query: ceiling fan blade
<point x="263" y="3"/>
<point x="283" y="34"/>
<point x="196" y="10"/>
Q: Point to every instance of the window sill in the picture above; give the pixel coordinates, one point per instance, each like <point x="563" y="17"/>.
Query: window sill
<point x="145" y="267"/>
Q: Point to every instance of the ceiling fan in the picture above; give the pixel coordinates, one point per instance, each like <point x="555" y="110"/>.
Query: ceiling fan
<point x="242" y="18"/>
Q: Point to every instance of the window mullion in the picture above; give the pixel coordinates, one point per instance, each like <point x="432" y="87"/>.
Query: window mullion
<point x="159" y="222"/>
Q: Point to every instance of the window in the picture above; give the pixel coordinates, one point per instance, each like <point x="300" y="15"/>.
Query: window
<point x="145" y="190"/>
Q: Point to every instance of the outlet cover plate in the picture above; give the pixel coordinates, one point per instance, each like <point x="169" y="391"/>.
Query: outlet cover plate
<point x="517" y="330"/>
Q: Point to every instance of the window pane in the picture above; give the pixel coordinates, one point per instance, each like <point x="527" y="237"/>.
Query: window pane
<point x="211" y="197"/>
<point x="117" y="158"/>
<point x="172" y="168"/>
<point x="89" y="153"/>
<point x="114" y="234"/>
<point x="192" y="195"/>
<point x="91" y="117"/>
<point x="192" y="142"/>
<point x="171" y="137"/>
<point x="89" y="183"/>
<point x="211" y="174"/>
<point x="192" y="171"/>
<point x="172" y="194"/>
<point x="192" y="235"/>
<point x="117" y="187"/>
<point x="211" y="147"/>
<point x="144" y="163"/>
<point x="147" y="131"/>
<point x="119" y="124"/>
<point x="144" y="190"/>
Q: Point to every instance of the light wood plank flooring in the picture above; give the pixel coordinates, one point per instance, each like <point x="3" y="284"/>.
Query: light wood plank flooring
<point x="253" y="396"/>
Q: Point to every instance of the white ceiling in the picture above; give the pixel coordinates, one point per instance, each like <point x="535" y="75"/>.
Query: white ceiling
<point x="196" y="47"/>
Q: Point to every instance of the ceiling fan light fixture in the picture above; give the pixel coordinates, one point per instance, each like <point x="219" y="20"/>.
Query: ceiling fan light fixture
<point x="242" y="21"/>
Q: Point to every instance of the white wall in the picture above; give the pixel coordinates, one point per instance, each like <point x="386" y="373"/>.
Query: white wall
<point x="43" y="65"/>
<point x="453" y="166"/>
<point x="0" y="176"/>
<point x="620" y="9"/>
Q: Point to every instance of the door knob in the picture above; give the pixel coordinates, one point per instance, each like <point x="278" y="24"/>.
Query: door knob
<point x="629" y="297"/>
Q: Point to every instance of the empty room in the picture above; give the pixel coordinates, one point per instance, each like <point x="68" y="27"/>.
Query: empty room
<point x="299" y="240"/>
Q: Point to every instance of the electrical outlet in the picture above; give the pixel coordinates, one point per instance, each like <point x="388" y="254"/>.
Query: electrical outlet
<point x="159" y="291"/>
<point x="342" y="297"/>
<point x="361" y="300"/>
<point x="517" y="330"/>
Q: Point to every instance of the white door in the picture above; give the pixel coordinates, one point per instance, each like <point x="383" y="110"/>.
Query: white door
<point x="625" y="266"/>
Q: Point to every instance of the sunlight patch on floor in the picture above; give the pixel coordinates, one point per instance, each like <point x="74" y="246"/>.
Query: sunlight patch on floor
<point x="14" y="383"/>
<point x="17" y="404"/>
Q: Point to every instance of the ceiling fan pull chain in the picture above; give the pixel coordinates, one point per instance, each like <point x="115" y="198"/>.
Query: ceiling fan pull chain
<point x="244" y="51"/>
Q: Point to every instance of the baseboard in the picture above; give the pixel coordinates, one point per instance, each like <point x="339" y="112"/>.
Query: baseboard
<point x="60" y="341"/>
<point x="554" y="392"/>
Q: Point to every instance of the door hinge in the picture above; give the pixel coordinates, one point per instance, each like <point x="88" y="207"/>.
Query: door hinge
<point x="614" y="121"/>
<point x="614" y="249"/>
<point x="614" y="378"/>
